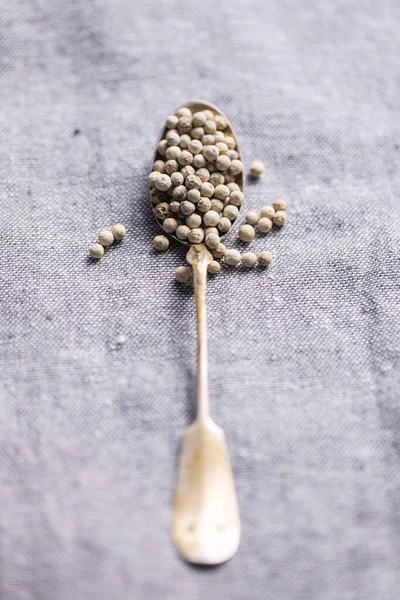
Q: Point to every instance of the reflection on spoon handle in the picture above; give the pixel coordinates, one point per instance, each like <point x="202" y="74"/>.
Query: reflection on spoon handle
<point x="200" y="284"/>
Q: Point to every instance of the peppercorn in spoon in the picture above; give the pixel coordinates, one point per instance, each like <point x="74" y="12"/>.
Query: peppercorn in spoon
<point x="196" y="189"/>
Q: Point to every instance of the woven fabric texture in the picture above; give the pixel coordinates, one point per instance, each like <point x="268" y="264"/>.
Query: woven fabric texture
<point x="97" y="361"/>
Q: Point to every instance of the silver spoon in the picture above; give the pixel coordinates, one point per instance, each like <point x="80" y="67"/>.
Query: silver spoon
<point x="206" y="522"/>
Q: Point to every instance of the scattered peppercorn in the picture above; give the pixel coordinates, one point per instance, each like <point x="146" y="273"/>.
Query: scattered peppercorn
<point x="264" y="225"/>
<point x="249" y="260"/>
<point x="280" y="205"/>
<point x="267" y="211"/>
<point x="96" y="251"/>
<point x="251" y="217"/>
<point x="106" y="238"/>
<point x="213" y="267"/>
<point x="161" y="243"/>
<point x="232" y="257"/>
<point x="280" y="218"/>
<point x="183" y="274"/>
<point x="118" y="231"/>
<point x="246" y="233"/>
<point x="256" y="168"/>
<point x="264" y="258"/>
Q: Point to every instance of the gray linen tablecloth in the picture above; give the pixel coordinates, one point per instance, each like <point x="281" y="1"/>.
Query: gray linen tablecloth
<point x="97" y="361"/>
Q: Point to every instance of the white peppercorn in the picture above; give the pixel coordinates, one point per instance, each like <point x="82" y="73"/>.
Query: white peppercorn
<point x="156" y="196"/>
<point x="232" y="154"/>
<point x="187" y="208"/>
<point x="199" y="119"/>
<point x="219" y="136"/>
<point x="220" y="251"/>
<point x="221" y="192"/>
<point x="256" y="168"/>
<point x="264" y="225"/>
<point x="231" y="212"/>
<point x="211" y="230"/>
<point x="204" y="204"/>
<point x="211" y="218"/>
<point x="249" y="260"/>
<point x="203" y="173"/>
<point x="182" y="231"/>
<point x="217" y="179"/>
<point x="184" y="140"/>
<point x="161" y="243"/>
<point x="159" y="166"/>
<point x="280" y="218"/>
<point x="118" y="231"/>
<point x="232" y="257"/>
<point x="233" y="186"/>
<point x="251" y="217"/>
<point x="217" y="205"/>
<point x="173" y="152"/>
<point x="230" y="142"/>
<point x="172" y="137"/>
<point x="193" y="221"/>
<point x="184" y="125"/>
<point x="106" y="238"/>
<point x="187" y="170"/>
<point x="193" y="195"/>
<point x="224" y="224"/>
<point x="210" y="127"/>
<point x="163" y="182"/>
<point x="161" y="147"/>
<point x="222" y="147"/>
<point x="246" y="233"/>
<point x="236" y="167"/>
<point x="172" y="122"/>
<point x="236" y="198"/>
<point x="184" y="112"/>
<point x="228" y="177"/>
<point x="179" y="193"/>
<point x="170" y="225"/>
<point x="177" y="178"/>
<point x="211" y="153"/>
<point x="196" y="133"/>
<point x="223" y="162"/>
<point x="196" y="236"/>
<point x="264" y="258"/>
<point x="183" y="274"/>
<point x="280" y="205"/>
<point x="193" y="182"/>
<point x="171" y="166"/>
<point x="208" y="140"/>
<point x="221" y="122"/>
<point x="199" y="161"/>
<point x="267" y="211"/>
<point x="213" y="267"/>
<point x="212" y="241"/>
<point x="195" y="147"/>
<point x="154" y="175"/>
<point x="162" y="211"/>
<point x="207" y="189"/>
<point x="185" y="158"/>
<point x="175" y="206"/>
<point x="209" y="114"/>
<point x="96" y="251"/>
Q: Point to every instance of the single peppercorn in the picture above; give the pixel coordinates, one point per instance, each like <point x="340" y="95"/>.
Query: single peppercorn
<point x="246" y="233"/>
<point x="217" y="205"/>
<point x="171" y="166"/>
<point x="162" y="211"/>
<point x="217" y="179"/>
<point x="256" y="168"/>
<point x="185" y="158"/>
<point x="184" y="141"/>
<point x="264" y="225"/>
<point x="220" y="251"/>
<point x="219" y="136"/>
<point x="172" y="137"/>
<point x="232" y="257"/>
<point x="193" y="196"/>
<point x="196" y="236"/>
<point x="207" y="189"/>
<point x="211" y="153"/>
<point x="221" y="122"/>
<point x="210" y="127"/>
<point x="264" y="258"/>
<point x="159" y="166"/>
<point x="193" y="182"/>
<point x="184" y="125"/>
<point x="118" y="231"/>
<point x="187" y="208"/>
<point x="212" y="241"/>
<point x="199" y="119"/>
<point x="182" y="232"/>
<point x="222" y="147"/>
<point x="195" y="147"/>
<point x="183" y="274"/>
<point x="170" y="225"/>
<point x="177" y="179"/>
<point x="172" y="122"/>
<point x="230" y="142"/>
<point x="224" y="224"/>
<point x="197" y="133"/>
<point x="267" y="211"/>
<point x="213" y="267"/>
<point x="193" y="221"/>
<point x="221" y="192"/>
<point x="236" y="198"/>
<point x="249" y="259"/>
<point x="236" y="167"/>
<point x="279" y="218"/>
<point x="199" y="161"/>
<point x="106" y="238"/>
<point x="280" y="205"/>
<point x="187" y="170"/>
<point x="204" y="204"/>
<point x="231" y="212"/>
<point x="208" y="140"/>
<point x="211" y="218"/>
<point x="251" y="217"/>
<point x="223" y="162"/>
<point x="203" y="173"/>
<point x="161" y="147"/>
<point x="163" y="182"/>
<point x="179" y="193"/>
<point x="184" y="112"/>
<point x="96" y="251"/>
<point x="175" y="206"/>
<point x="233" y="186"/>
<point x="161" y="243"/>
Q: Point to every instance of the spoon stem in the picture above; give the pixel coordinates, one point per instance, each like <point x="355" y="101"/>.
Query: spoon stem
<point x="200" y="286"/>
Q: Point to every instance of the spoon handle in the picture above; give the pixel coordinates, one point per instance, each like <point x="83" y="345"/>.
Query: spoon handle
<point x="200" y="285"/>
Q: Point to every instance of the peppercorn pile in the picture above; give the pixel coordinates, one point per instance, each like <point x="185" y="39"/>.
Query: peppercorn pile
<point x="195" y="183"/>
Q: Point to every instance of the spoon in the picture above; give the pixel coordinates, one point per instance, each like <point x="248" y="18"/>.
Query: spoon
<point x="206" y="523"/>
